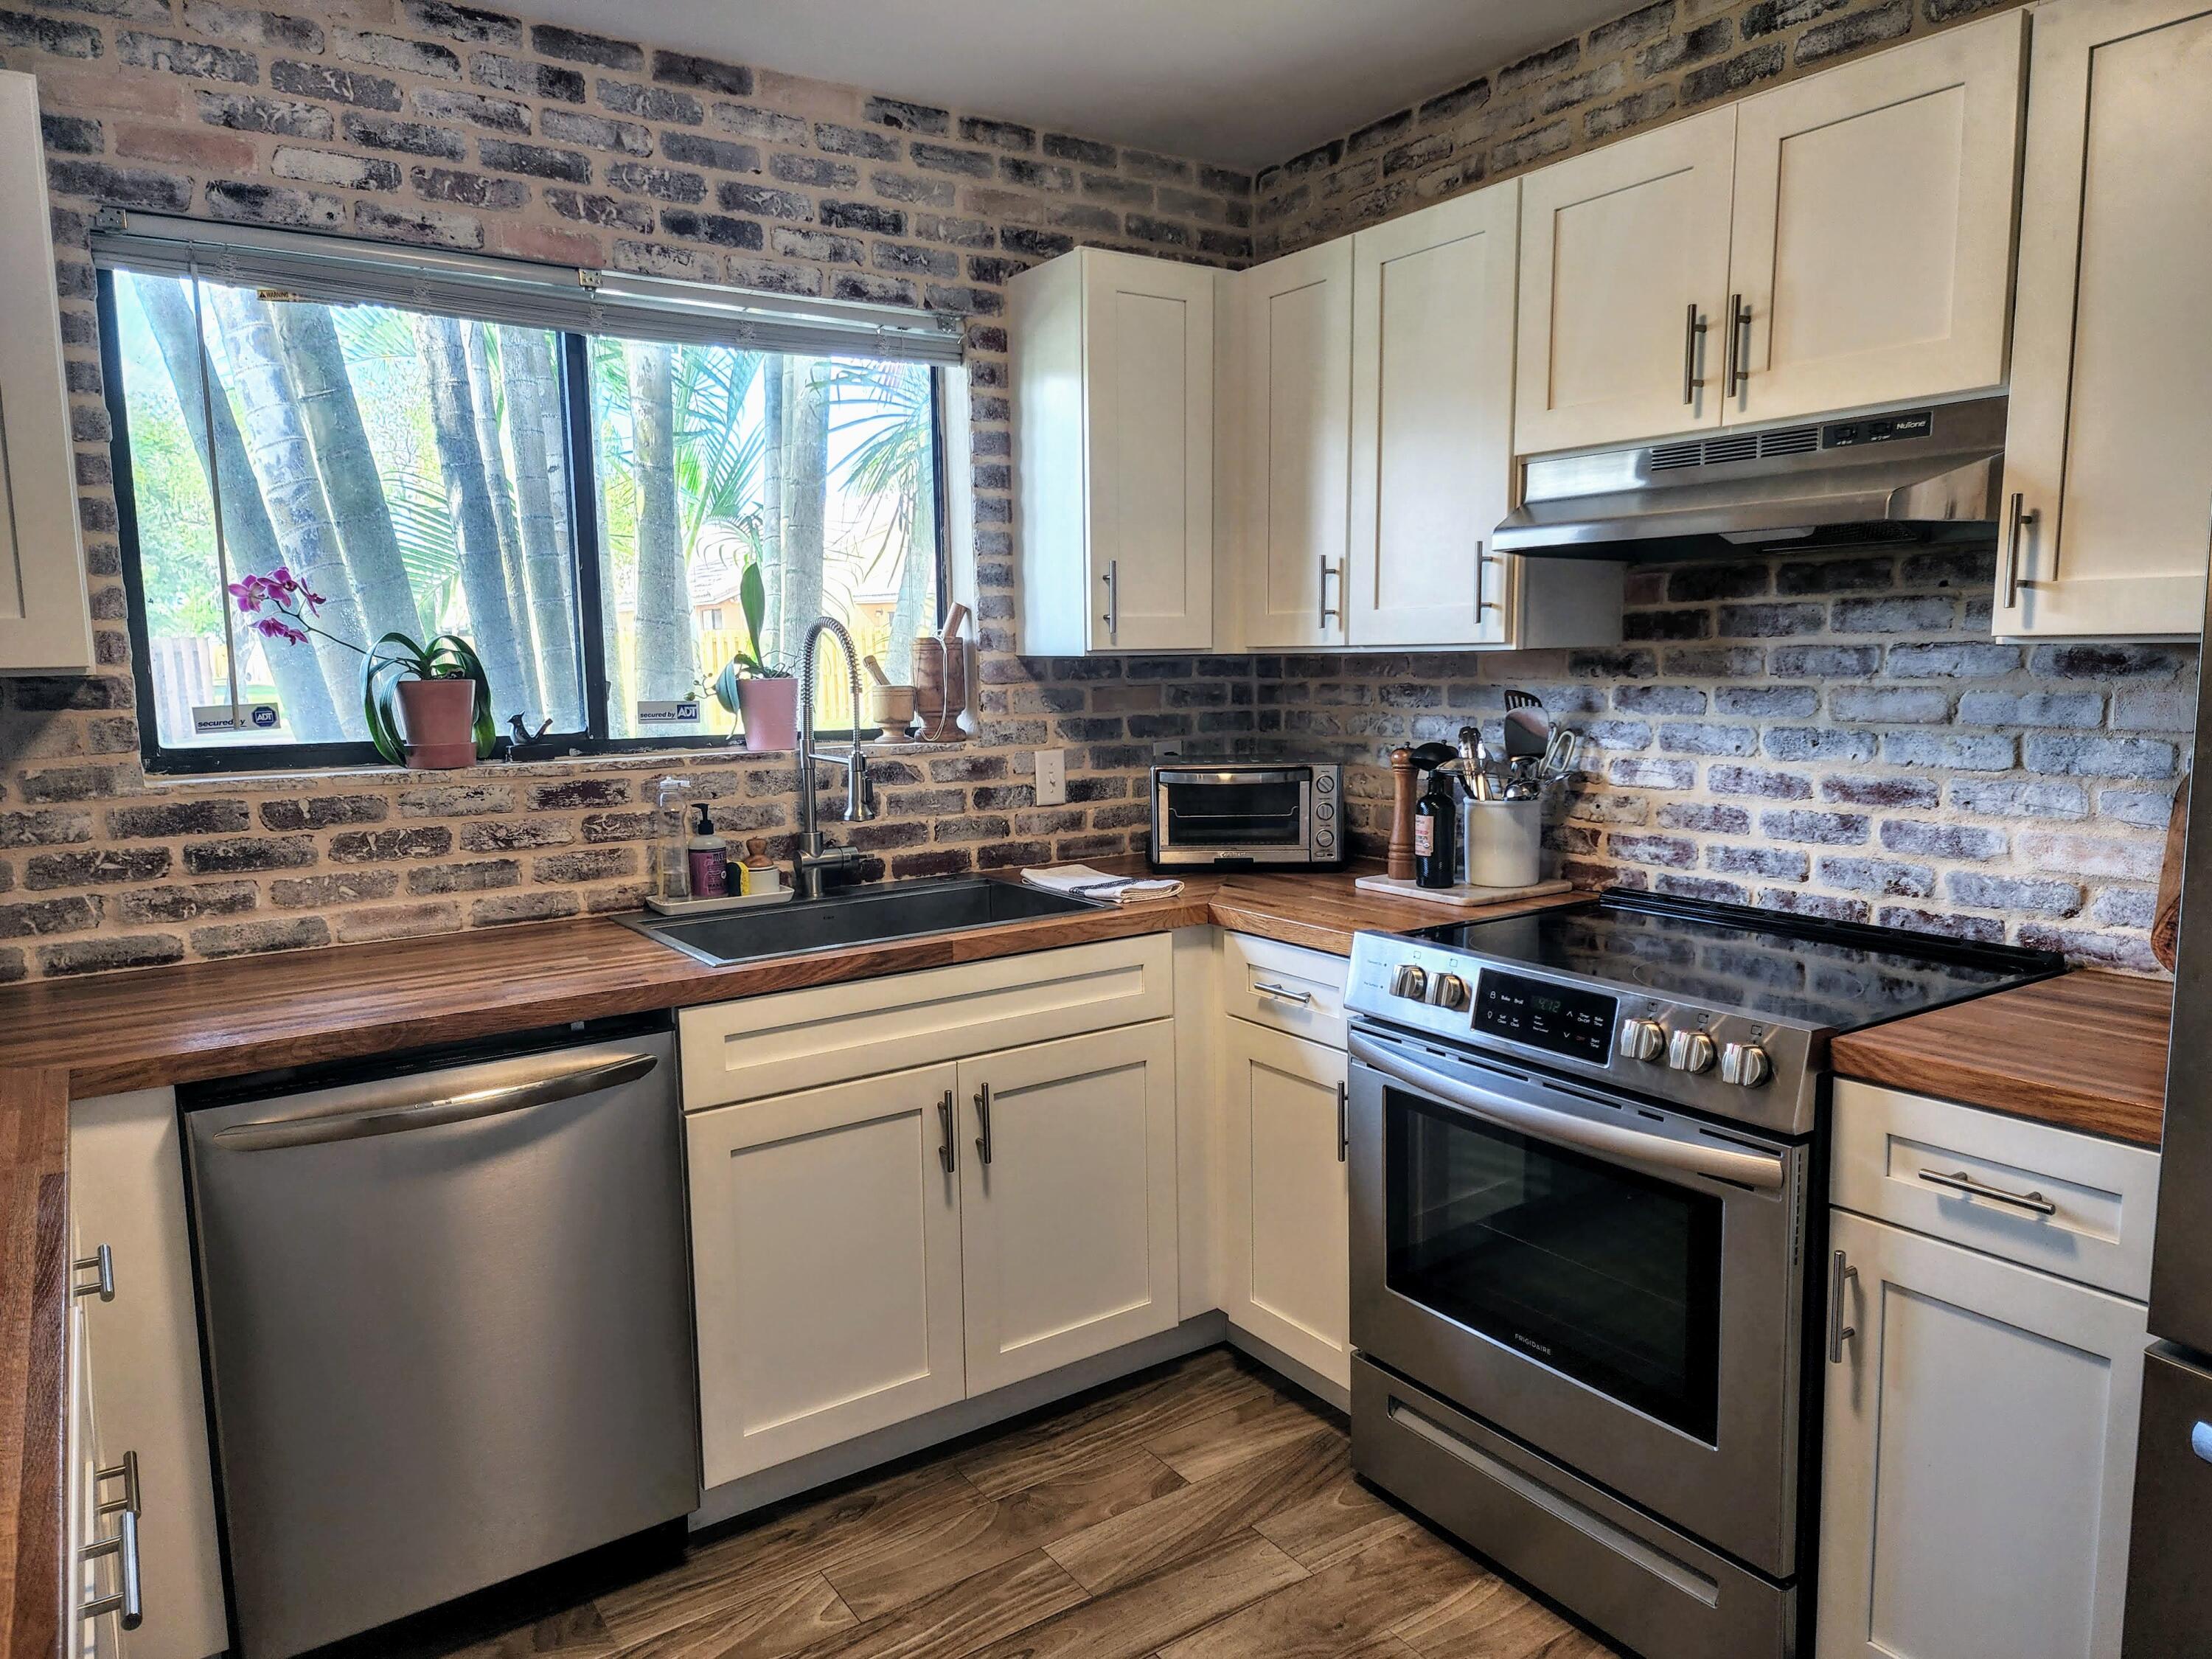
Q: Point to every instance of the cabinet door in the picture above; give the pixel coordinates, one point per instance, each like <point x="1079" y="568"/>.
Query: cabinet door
<point x="1291" y="377"/>
<point x="1067" y="1180"/>
<point x="45" y="624"/>
<point x="1871" y="256"/>
<point x="1980" y="1453"/>
<point x="825" y="1242"/>
<point x="1624" y="258"/>
<point x="1289" y="1254"/>
<point x="1148" y="414"/>
<point x="1432" y="422"/>
<point x="2110" y="441"/>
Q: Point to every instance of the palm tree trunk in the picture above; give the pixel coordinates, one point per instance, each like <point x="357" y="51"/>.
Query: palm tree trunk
<point x="284" y="461"/>
<point x="301" y="692"/>
<point x="805" y="490"/>
<point x="667" y="665"/>
<point x="918" y="574"/>
<point x="483" y="571"/>
<point x="309" y="341"/>
<point x="526" y="373"/>
<point x="776" y="417"/>
<point x="483" y="399"/>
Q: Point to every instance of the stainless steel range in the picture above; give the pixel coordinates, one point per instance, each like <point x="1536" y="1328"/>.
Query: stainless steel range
<point x="1587" y="1213"/>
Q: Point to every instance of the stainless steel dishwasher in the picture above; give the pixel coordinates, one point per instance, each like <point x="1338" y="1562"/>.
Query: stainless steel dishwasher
<point x="448" y="1315"/>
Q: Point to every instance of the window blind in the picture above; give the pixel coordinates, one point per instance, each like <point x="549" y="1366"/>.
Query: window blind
<point x="340" y="272"/>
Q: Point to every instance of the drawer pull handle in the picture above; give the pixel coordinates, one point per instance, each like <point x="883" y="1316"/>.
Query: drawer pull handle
<point x="126" y="1600"/>
<point x="1960" y="1182"/>
<point x="127" y="1472"/>
<point x="1842" y="1276"/>
<point x="1283" y="994"/>
<point x="101" y="1262"/>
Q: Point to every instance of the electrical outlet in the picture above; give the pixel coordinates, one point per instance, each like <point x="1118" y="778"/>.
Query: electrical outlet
<point x="1052" y="777"/>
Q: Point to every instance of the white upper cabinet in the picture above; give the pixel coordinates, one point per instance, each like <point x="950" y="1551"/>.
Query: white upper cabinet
<point x="2108" y="461"/>
<point x="1114" y="377"/>
<point x="1623" y="271"/>
<point x="46" y="625"/>
<point x="1433" y="422"/>
<point x="1288" y="406"/>
<point x="1871" y="256"/>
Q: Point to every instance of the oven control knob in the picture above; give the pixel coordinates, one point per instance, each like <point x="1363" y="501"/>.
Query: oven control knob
<point x="1690" y="1051"/>
<point x="1450" y="991"/>
<point x="1745" y="1065"/>
<point x="1643" y="1039"/>
<point x="1410" y="982"/>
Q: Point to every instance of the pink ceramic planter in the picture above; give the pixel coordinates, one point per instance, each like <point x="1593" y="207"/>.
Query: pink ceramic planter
<point x="770" y="711"/>
<point x="437" y="722"/>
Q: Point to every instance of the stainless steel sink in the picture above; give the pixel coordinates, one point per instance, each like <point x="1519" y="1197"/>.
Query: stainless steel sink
<point x="858" y="915"/>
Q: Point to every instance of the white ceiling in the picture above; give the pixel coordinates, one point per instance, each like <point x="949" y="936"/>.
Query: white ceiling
<point x="1246" y="83"/>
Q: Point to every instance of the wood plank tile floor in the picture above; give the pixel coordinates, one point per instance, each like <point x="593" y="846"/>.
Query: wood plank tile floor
<point x="1205" y="1510"/>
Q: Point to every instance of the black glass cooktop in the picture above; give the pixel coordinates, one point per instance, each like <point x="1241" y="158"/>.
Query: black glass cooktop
<point x="1834" y="974"/>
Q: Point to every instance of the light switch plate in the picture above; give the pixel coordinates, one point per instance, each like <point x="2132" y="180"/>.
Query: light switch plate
<point x="1052" y="777"/>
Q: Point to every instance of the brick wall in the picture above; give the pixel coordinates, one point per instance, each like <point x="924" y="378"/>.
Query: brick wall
<point x="1838" y="737"/>
<point x="1654" y="65"/>
<point x="423" y="122"/>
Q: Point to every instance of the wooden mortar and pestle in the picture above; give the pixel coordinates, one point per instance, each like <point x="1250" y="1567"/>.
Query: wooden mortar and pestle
<point x="940" y="679"/>
<point x="890" y="706"/>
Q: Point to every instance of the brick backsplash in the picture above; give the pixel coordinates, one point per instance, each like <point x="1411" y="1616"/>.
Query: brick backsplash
<point x="1654" y="65"/>
<point x="1837" y="737"/>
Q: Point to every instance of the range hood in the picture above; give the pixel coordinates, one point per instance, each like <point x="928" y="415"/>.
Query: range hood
<point x="1917" y="476"/>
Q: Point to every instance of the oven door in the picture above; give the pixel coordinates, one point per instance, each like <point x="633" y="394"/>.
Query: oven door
<point x="1263" y="815"/>
<point x="1618" y="1285"/>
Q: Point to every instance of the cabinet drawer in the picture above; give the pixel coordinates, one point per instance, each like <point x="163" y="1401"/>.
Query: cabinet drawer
<point x="1281" y="986"/>
<point x="774" y="1045"/>
<point x="2084" y="1206"/>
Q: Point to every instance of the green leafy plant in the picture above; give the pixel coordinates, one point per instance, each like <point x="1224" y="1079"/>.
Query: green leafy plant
<point x="395" y="657"/>
<point x="748" y="665"/>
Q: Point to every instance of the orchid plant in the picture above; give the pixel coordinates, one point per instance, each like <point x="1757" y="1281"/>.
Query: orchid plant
<point x="292" y="606"/>
<point x="752" y="604"/>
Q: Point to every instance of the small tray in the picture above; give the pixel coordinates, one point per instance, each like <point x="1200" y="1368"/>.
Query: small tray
<point x="1462" y="897"/>
<point x="707" y="907"/>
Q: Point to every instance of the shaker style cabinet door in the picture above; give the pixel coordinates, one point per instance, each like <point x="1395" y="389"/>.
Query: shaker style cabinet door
<point x="1067" y="1216"/>
<point x="1871" y="254"/>
<point x="1114" y="391"/>
<point x="1433" y="422"/>
<point x="2108" y="458"/>
<point x="825" y="1240"/>
<point x="46" y="623"/>
<point x="1623" y="276"/>
<point x="1289" y="410"/>
<point x="1980" y="1456"/>
<point x="1289" y="1256"/>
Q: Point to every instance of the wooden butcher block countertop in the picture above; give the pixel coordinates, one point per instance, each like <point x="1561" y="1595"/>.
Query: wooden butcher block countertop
<point x="2085" y="1051"/>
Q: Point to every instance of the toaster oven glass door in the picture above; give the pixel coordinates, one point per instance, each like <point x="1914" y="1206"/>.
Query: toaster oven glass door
<point x="1243" y="812"/>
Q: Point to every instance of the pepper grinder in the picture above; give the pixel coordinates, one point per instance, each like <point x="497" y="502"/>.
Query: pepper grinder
<point x="1404" y="785"/>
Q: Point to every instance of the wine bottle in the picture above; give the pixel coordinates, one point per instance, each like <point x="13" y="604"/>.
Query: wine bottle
<point x="1435" y="833"/>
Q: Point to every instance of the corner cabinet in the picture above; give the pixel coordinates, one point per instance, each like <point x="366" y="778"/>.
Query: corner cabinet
<point x="45" y="625"/>
<point x="1114" y="422"/>
<point x="2108" y="460"/>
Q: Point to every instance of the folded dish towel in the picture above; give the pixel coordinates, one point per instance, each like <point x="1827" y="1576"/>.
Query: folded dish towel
<point x="1081" y="881"/>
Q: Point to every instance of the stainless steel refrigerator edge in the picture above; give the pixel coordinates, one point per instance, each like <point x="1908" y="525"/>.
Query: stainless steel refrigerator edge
<point x="448" y="1327"/>
<point x="2169" y="1610"/>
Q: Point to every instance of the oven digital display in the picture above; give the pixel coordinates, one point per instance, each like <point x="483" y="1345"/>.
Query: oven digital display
<point x="1566" y="1021"/>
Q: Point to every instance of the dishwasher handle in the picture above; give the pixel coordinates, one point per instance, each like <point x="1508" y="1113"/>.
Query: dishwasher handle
<point x="317" y="1129"/>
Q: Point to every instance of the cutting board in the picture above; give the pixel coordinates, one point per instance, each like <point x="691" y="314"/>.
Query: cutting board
<point x="1461" y="898"/>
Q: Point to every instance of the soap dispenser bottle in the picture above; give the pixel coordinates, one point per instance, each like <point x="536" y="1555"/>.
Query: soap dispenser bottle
<point x="710" y="857"/>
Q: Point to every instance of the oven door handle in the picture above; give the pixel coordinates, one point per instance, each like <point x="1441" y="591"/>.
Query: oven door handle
<point x="1749" y="1169"/>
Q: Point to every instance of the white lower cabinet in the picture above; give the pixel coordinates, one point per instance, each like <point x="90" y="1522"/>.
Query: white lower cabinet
<point x="861" y="1260"/>
<point x="1287" y="1263"/>
<point x="1980" y="1457"/>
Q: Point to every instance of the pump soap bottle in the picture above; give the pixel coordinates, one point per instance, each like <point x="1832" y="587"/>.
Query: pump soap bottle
<point x="709" y="857"/>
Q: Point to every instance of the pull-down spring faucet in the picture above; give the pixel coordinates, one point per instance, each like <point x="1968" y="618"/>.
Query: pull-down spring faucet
<point x="813" y="856"/>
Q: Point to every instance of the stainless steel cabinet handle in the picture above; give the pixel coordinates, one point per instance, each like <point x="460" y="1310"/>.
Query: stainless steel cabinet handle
<point x="1482" y="561"/>
<point x="1737" y="375"/>
<point x="1841" y="1277"/>
<point x="127" y="1472"/>
<point x="983" y="1123"/>
<point x="944" y="1154"/>
<point x="127" y="1599"/>
<point x="101" y="1262"/>
<point x="1693" y="327"/>
<point x="1327" y="608"/>
<point x="315" y="1129"/>
<point x="2021" y="519"/>
<point x="1113" y="617"/>
<point x="1283" y="994"/>
<point x="1960" y="1182"/>
<point x="1343" y="1121"/>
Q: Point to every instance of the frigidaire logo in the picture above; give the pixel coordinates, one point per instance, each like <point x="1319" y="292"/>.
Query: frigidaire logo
<point x="1528" y="1341"/>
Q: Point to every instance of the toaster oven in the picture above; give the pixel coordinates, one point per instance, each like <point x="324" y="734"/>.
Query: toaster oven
<point x="1240" y="815"/>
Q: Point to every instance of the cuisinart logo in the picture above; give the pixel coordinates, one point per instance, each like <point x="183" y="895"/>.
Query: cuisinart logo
<point x="1532" y="1343"/>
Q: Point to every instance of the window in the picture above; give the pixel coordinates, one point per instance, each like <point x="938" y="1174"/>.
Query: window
<point x="581" y="505"/>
